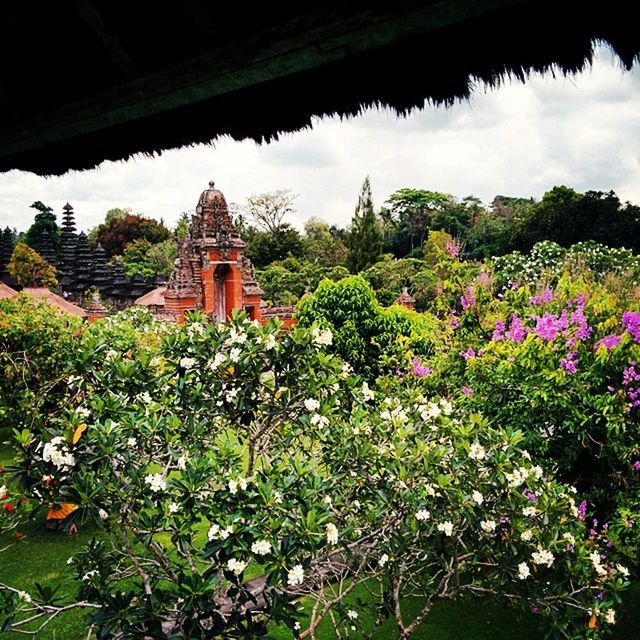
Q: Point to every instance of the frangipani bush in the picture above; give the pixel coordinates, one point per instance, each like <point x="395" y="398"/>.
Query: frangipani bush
<point x="238" y="469"/>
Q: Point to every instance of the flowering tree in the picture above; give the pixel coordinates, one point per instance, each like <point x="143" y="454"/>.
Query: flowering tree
<point x="237" y="470"/>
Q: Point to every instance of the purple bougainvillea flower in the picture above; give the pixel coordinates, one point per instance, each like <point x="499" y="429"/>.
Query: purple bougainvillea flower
<point x="631" y="324"/>
<point x="498" y="331"/>
<point x="570" y="363"/>
<point x="636" y="465"/>
<point x="610" y="342"/>
<point x="582" y="510"/>
<point x="468" y="391"/>
<point x="516" y="332"/>
<point x="420" y="370"/>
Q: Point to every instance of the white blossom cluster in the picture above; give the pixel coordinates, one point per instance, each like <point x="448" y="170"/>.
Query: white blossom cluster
<point x="321" y="337"/>
<point x="156" y="482"/>
<point x="295" y="576"/>
<point x="216" y="532"/>
<point x="57" y="452"/>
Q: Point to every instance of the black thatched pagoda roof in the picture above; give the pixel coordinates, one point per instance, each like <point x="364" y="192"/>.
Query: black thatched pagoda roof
<point x="104" y="79"/>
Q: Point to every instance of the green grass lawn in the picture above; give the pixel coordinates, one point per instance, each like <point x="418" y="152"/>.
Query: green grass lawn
<point x="42" y="557"/>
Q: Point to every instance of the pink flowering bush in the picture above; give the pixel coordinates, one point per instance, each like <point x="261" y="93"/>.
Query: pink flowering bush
<point x="559" y="364"/>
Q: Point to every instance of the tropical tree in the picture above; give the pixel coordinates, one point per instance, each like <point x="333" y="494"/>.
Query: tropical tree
<point x="267" y="210"/>
<point x="413" y="210"/>
<point x="44" y="224"/>
<point x="321" y="245"/>
<point x="30" y="269"/>
<point x="365" y="234"/>
<point x="116" y="233"/>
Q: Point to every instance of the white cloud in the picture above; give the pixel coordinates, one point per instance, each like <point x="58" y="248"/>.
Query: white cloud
<point x="519" y="139"/>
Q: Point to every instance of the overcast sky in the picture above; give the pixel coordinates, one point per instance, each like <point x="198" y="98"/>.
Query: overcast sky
<point x="519" y="139"/>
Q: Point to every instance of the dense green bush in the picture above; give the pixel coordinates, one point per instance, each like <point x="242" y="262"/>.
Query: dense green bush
<point x="37" y="348"/>
<point x="369" y="337"/>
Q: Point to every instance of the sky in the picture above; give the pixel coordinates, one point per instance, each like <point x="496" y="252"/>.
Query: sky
<point x="518" y="140"/>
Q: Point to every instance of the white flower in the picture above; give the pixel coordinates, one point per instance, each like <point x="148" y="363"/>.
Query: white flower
<point x="242" y="483"/>
<point x="269" y="342"/>
<point x="542" y="556"/>
<point x="332" y="533"/>
<point x="295" y="575"/>
<point x="187" y="363"/>
<point x="25" y="596"/>
<point x="103" y="514"/>
<point x="321" y="337"/>
<point x="477" y="452"/>
<point x="144" y="397"/>
<point x="319" y="420"/>
<point x="237" y="566"/>
<point x="174" y="507"/>
<point x="83" y="412"/>
<point x="296" y="626"/>
<point x="109" y="355"/>
<point x="131" y="442"/>
<point x="156" y="482"/>
<point x="569" y="538"/>
<point x="181" y="463"/>
<point x="477" y="497"/>
<point x="57" y="453"/>
<point x="347" y="369"/>
<point x="447" y="407"/>
<point x="234" y="354"/>
<point x="352" y="615"/>
<point x="523" y="571"/>
<point x="536" y="472"/>
<point x="526" y="535"/>
<point x="236" y="337"/>
<point x="367" y="394"/>
<point x="529" y="511"/>
<point x="311" y="404"/>
<point x="261" y="547"/>
<point x="446" y="528"/>
<point x="216" y="533"/>
<point x="70" y="560"/>
<point x="622" y="570"/>
<point x="488" y="526"/>
<point x="594" y="556"/>
<point x="433" y="410"/>
<point x="89" y="574"/>
<point x="384" y="558"/>
<point x="218" y="359"/>
<point x="231" y="394"/>
<point x="277" y="497"/>
<point x="610" y="616"/>
<point x="3" y="492"/>
<point x="422" y="515"/>
<point x="516" y="478"/>
<point x="233" y="487"/>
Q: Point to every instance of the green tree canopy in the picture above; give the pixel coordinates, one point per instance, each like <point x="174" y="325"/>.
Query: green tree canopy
<point x="365" y="235"/>
<point x="321" y="245"/>
<point x="412" y="211"/>
<point x="30" y="269"/>
<point x="150" y="260"/>
<point x="44" y="223"/>
<point x="115" y="234"/>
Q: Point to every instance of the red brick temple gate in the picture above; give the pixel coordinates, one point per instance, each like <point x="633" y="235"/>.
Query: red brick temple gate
<point x="212" y="272"/>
